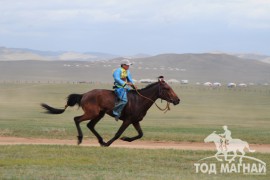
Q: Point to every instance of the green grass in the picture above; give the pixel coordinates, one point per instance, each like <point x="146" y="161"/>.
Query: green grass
<point x="74" y="162"/>
<point x="202" y="110"/>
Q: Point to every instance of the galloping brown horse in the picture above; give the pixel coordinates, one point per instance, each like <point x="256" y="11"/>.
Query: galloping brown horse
<point x="98" y="102"/>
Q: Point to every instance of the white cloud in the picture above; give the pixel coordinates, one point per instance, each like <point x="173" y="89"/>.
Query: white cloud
<point x="163" y="25"/>
<point x="233" y="12"/>
<point x="240" y="13"/>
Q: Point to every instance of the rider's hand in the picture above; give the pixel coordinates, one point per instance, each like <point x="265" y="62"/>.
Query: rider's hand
<point x="132" y="85"/>
<point x="129" y="83"/>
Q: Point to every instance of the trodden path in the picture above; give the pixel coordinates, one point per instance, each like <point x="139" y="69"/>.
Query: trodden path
<point x="264" y="148"/>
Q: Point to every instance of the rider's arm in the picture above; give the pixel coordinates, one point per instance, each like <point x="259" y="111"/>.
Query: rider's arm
<point x="222" y="134"/>
<point x="129" y="78"/>
<point x="130" y="81"/>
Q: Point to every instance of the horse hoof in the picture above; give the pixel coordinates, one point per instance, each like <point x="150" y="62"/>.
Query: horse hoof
<point x="79" y="141"/>
<point x="104" y="145"/>
<point x="125" y="139"/>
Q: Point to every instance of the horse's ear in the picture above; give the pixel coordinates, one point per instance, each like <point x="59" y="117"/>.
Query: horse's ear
<point x="161" y="79"/>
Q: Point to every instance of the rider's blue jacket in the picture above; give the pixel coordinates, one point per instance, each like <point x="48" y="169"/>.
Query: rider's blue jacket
<point x="121" y="76"/>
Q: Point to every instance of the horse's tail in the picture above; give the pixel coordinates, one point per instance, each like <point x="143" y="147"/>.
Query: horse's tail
<point x="250" y="150"/>
<point x="72" y="100"/>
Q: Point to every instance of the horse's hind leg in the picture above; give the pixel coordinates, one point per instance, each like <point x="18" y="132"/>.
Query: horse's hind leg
<point x="78" y="120"/>
<point x="137" y="126"/>
<point x="234" y="156"/>
<point x="242" y="155"/>
<point x="91" y="125"/>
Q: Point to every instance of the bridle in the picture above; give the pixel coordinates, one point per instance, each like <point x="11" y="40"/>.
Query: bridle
<point x="167" y="108"/>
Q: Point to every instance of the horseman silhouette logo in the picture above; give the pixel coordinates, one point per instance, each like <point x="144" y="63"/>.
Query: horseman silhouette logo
<point x="225" y="144"/>
<point x="228" y="147"/>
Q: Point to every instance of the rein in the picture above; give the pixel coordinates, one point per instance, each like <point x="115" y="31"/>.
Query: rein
<point x="167" y="108"/>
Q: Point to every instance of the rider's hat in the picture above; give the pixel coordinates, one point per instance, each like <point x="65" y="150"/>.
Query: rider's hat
<point x="126" y="62"/>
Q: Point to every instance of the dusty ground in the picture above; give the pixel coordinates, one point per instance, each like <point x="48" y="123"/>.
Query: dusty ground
<point x="265" y="148"/>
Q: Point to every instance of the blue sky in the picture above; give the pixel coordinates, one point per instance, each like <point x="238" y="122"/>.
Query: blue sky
<point x="128" y="27"/>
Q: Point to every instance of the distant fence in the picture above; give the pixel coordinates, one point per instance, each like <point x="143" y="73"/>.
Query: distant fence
<point x="253" y="88"/>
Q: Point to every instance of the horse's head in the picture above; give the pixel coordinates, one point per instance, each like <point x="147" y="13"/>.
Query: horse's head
<point x="213" y="137"/>
<point x="166" y="92"/>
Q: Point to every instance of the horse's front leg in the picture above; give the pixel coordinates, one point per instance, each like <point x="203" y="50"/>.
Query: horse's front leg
<point x="225" y="155"/>
<point x="216" y="155"/>
<point x="137" y="126"/>
<point x="122" y="128"/>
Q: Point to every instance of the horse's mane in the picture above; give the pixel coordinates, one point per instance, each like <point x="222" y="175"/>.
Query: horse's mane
<point x="149" y="85"/>
<point x="146" y="87"/>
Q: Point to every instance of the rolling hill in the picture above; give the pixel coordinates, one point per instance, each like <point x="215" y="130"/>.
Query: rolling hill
<point x="16" y="54"/>
<point x="222" y="68"/>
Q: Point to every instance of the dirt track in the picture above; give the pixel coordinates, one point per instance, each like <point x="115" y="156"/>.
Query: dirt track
<point x="265" y="148"/>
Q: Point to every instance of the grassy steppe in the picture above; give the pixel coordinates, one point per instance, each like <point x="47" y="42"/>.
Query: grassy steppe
<point x="74" y="162"/>
<point x="201" y="111"/>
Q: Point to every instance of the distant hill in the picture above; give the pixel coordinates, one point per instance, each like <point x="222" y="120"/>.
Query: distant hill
<point x="252" y="56"/>
<point x="222" y="68"/>
<point x="15" y="54"/>
<point x="207" y="67"/>
<point x="248" y="56"/>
